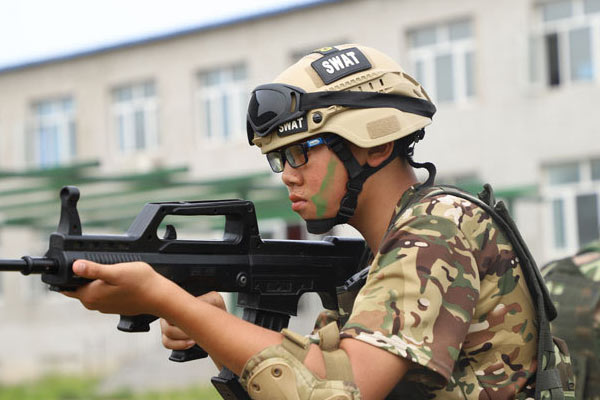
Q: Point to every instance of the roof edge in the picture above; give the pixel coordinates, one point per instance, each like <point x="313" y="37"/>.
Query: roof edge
<point x="166" y="36"/>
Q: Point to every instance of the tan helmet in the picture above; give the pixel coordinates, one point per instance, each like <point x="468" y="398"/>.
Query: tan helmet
<point x="344" y="68"/>
<point x="346" y="92"/>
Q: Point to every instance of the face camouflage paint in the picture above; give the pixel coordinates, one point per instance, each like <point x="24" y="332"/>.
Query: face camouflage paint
<point x="320" y="199"/>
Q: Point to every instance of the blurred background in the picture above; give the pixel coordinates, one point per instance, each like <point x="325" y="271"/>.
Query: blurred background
<point x="145" y="101"/>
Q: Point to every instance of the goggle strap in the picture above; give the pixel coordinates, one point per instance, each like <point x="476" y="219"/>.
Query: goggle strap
<point x="413" y="105"/>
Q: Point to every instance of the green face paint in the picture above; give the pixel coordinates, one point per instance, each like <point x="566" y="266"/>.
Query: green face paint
<point x="320" y="199"/>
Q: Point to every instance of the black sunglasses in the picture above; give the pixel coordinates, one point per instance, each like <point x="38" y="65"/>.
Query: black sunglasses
<point x="296" y="154"/>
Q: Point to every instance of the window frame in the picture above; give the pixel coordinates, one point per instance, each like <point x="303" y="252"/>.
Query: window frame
<point x="444" y="45"/>
<point x="568" y="193"/>
<point x="211" y="131"/>
<point x="126" y="142"/>
<point x="63" y="120"/>
<point x="562" y="27"/>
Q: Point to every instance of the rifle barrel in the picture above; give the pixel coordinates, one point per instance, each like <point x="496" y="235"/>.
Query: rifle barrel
<point x="28" y="265"/>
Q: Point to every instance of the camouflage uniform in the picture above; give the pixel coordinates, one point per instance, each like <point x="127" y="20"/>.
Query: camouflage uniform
<point x="574" y="284"/>
<point x="446" y="291"/>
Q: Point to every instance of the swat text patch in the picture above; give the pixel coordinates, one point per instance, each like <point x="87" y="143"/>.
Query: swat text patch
<point x="342" y="63"/>
<point x="293" y="126"/>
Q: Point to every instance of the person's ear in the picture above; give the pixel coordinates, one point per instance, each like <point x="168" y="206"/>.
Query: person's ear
<point x="378" y="154"/>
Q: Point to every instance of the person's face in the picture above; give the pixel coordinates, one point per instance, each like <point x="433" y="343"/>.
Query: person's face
<point x="317" y="187"/>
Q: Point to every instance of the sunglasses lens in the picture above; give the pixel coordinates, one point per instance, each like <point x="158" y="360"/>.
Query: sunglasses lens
<point x="265" y="106"/>
<point x="295" y="155"/>
<point x="275" y="161"/>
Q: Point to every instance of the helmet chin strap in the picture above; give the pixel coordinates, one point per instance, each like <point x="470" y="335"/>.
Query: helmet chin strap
<point x="357" y="175"/>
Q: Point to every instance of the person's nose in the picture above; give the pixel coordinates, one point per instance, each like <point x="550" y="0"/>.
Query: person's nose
<point x="291" y="176"/>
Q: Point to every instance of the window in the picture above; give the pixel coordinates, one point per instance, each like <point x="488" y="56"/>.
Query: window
<point x="572" y="194"/>
<point x="134" y="109"/>
<point x="565" y="42"/>
<point x="442" y="58"/>
<point x="53" y="137"/>
<point x="222" y="98"/>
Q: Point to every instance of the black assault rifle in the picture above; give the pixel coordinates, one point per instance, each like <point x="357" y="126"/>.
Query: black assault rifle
<point x="268" y="275"/>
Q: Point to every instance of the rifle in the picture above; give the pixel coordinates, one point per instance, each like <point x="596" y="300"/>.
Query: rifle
<point x="268" y="275"/>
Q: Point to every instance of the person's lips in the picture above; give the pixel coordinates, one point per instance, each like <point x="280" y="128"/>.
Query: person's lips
<point x="298" y="203"/>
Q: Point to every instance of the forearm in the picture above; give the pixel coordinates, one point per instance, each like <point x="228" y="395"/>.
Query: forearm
<point x="229" y="340"/>
<point x="233" y="341"/>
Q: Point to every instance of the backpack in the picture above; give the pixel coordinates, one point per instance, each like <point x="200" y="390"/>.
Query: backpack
<point x="554" y="376"/>
<point x="577" y="297"/>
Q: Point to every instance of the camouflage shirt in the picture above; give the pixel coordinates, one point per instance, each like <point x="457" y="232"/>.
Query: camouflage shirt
<point x="446" y="291"/>
<point x="574" y="283"/>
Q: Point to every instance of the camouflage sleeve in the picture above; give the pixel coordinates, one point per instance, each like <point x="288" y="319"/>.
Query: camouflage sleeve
<point x="421" y="291"/>
<point x="324" y="318"/>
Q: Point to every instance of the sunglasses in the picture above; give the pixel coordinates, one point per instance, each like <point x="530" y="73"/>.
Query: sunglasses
<point x="296" y="154"/>
<point x="273" y="105"/>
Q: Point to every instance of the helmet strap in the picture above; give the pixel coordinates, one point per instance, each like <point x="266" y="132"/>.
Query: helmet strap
<point x="357" y="175"/>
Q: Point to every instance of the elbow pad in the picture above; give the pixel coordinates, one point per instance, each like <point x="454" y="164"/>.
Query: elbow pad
<point x="278" y="372"/>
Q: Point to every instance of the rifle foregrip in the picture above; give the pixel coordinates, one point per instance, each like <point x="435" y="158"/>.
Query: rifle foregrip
<point x="135" y="323"/>
<point x="193" y="353"/>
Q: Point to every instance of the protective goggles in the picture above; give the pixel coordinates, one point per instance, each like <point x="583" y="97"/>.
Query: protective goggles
<point x="274" y="104"/>
<point x="296" y="154"/>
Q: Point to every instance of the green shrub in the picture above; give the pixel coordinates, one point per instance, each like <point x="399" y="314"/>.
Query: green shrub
<point x="60" y="387"/>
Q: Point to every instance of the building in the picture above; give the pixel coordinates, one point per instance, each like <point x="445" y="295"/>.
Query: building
<point x="517" y="85"/>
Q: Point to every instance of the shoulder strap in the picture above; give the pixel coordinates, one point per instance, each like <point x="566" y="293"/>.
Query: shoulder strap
<point x="546" y="379"/>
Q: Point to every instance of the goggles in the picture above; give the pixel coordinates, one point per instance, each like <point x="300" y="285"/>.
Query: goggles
<point x="296" y="154"/>
<point x="274" y="104"/>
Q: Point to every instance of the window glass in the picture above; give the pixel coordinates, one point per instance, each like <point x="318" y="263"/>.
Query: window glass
<point x="470" y="74"/>
<point x="123" y="94"/>
<point x="460" y="30"/>
<point x="423" y="37"/>
<point x="557" y="10"/>
<point x="420" y="73"/>
<point x="149" y="89"/>
<point x="591" y="6"/>
<point x="239" y="72"/>
<point x="581" y="54"/>
<point x="552" y="59"/>
<point x="587" y="218"/>
<point x="596" y="170"/>
<point x="444" y="78"/>
<point x="225" y="110"/>
<point x="565" y="173"/>
<point x="558" y="218"/>
<point x="207" y="120"/>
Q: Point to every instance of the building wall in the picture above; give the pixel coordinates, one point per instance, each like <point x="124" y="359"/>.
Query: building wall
<point x="504" y="135"/>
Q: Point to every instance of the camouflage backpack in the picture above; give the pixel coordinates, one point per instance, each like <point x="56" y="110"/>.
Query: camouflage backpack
<point x="554" y="376"/>
<point x="574" y="284"/>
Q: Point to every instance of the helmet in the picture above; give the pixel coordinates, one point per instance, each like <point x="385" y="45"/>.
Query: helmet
<point x="346" y="92"/>
<point x="328" y="73"/>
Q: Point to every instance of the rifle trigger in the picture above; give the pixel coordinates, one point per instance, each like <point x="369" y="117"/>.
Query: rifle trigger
<point x="170" y="233"/>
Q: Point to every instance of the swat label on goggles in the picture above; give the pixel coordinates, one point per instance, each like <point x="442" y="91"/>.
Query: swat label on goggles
<point x="339" y="64"/>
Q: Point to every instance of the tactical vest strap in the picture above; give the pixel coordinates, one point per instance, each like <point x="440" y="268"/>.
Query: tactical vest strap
<point x="550" y="380"/>
<point x="546" y="379"/>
